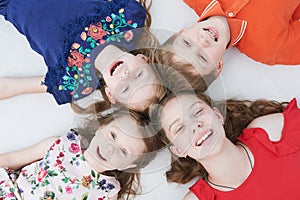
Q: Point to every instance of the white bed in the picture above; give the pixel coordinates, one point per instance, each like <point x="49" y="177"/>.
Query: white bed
<point x="26" y="119"/>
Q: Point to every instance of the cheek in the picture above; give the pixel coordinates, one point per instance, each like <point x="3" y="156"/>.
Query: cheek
<point x="181" y="143"/>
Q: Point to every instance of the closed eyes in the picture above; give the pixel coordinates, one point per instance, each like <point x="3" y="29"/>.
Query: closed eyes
<point x="113" y="135"/>
<point x="186" y="43"/>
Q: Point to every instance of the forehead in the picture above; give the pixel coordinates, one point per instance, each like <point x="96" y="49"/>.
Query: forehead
<point x="126" y="125"/>
<point x="177" y="107"/>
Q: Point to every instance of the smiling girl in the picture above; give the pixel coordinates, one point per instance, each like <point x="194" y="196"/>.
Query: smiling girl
<point x="71" y="37"/>
<point x="237" y="149"/>
<point x="59" y="167"/>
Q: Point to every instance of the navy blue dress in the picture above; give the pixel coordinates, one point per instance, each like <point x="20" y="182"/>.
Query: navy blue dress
<point x="65" y="33"/>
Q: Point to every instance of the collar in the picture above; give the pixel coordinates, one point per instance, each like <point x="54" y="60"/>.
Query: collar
<point x="237" y="26"/>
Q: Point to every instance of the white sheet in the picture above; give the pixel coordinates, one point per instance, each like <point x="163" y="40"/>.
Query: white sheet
<point x="26" y="119"/>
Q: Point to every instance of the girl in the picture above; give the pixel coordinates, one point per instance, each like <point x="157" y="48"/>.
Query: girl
<point x="232" y="161"/>
<point x="78" y="43"/>
<point x="57" y="168"/>
<point x="270" y="36"/>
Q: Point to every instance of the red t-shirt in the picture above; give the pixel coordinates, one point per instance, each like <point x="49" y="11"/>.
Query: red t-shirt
<point x="272" y="35"/>
<point x="276" y="171"/>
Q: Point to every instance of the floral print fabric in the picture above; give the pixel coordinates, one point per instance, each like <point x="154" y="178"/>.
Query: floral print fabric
<point x="63" y="174"/>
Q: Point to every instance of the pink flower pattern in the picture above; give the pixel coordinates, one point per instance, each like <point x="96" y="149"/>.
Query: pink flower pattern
<point x="54" y="178"/>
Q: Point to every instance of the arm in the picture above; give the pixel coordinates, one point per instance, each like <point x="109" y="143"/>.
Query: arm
<point x="190" y="196"/>
<point x="13" y="86"/>
<point x="18" y="159"/>
<point x="272" y="124"/>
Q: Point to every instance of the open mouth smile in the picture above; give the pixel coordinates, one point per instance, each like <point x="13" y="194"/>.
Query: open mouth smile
<point x="212" y="32"/>
<point x="100" y="155"/>
<point x="115" y="67"/>
<point x="200" y="140"/>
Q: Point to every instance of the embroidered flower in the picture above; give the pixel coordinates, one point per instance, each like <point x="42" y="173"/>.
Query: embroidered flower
<point x="83" y="36"/>
<point x="75" y="46"/>
<point x="85" y="181"/>
<point x="74" y="148"/>
<point x="69" y="190"/>
<point x="108" y="19"/>
<point x="41" y="174"/>
<point x="87" y="90"/>
<point x="96" y="31"/>
<point x="128" y="36"/>
<point x="75" y="59"/>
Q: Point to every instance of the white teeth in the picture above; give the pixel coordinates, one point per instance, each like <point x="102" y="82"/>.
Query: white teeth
<point x="212" y="34"/>
<point x="117" y="68"/>
<point x="203" y="138"/>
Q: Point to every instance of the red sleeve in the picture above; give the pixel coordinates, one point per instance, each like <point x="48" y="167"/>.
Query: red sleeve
<point x="291" y="130"/>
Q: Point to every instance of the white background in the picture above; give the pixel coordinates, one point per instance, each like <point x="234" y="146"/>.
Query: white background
<point x="26" y="119"/>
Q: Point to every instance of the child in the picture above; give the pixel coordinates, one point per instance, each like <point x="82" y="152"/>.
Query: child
<point x="232" y="161"/>
<point x="265" y="31"/>
<point x="57" y="168"/>
<point x="71" y="37"/>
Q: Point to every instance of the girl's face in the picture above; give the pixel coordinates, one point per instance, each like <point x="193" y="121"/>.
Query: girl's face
<point x="193" y="127"/>
<point x="130" y="79"/>
<point x="203" y="44"/>
<point x="116" y="145"/>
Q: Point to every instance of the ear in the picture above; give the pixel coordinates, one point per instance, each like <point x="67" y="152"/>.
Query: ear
<point x="109" y="96"/>
<point x="142" y="56"/>
<point x="219" y="68"/>
<point x="177" y="152"/>
<point x="219" y="115"/>
<point x="128" y="167"/>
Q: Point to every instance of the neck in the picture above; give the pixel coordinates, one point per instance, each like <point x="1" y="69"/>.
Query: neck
<point x="230" y="166"/>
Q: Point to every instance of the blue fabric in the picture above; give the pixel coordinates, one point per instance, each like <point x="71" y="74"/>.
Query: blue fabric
<point x="52" y="27"/>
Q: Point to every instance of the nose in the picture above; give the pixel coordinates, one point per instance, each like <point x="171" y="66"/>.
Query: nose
<point x="125" y="75"/>
<point x="203" y="41"/>
<point x="196" y="127"/>
<point x="109" y="150"/>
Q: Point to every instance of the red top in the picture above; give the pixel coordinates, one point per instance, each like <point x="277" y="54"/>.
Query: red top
<point x="272" y="35"/>
<point x="276" y="171"/>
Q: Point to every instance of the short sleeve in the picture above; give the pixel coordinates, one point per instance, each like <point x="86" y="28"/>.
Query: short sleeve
<point x="290" y="139"/>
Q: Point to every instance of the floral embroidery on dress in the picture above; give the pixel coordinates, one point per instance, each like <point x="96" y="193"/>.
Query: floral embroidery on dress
<point x="78" y="72"/>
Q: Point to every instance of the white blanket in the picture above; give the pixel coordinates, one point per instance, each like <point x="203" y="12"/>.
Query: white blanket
<point x="26" y="119"/>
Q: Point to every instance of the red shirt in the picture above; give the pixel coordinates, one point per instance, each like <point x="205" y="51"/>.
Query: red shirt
<point x="276" y="171"/>
<point x="272" y="35"/>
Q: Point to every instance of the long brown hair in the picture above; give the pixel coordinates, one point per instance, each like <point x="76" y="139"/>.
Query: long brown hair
<point x="237" y="114"/>
<point x="129" y="179"/>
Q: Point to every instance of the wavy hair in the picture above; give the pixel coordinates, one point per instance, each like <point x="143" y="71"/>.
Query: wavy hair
<point x="237" y="114"/>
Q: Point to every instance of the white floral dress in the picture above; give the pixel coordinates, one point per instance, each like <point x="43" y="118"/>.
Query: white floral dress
<point x="62" y="174"/>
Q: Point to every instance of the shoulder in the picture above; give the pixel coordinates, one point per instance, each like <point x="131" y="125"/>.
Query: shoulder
<point x="190" y="196"/>
<point x="272" y="124"/>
